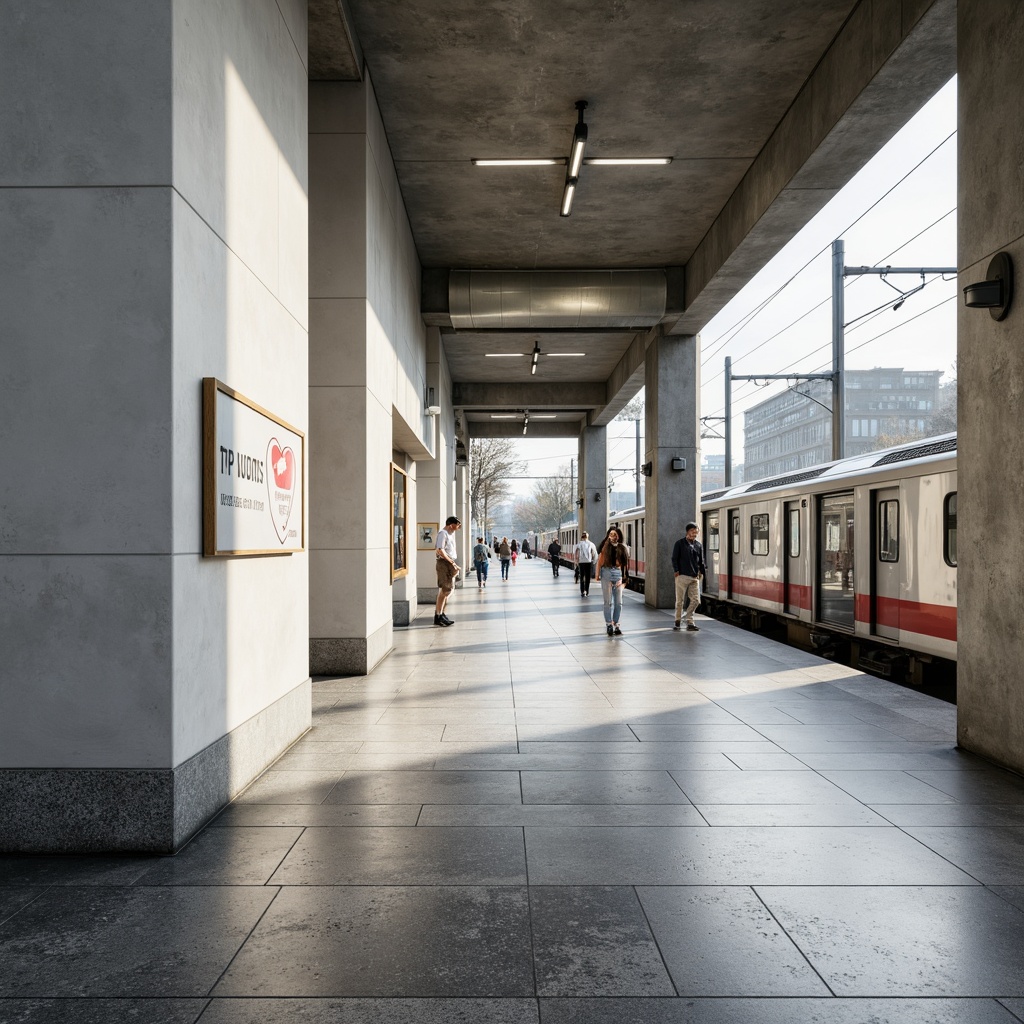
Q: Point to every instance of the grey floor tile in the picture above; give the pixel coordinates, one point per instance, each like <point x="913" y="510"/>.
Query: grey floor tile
<point x="412" y="787"/>
<point x="721" y="941"/>
<point x="158" y="941"/>
<point x="707" y="733"/>
<point x="887" y="787"/>
<point x="296" y="787"/>
<point x="733" y="856"/>
<point x="773" y="761"/>
<point x="14" y="899"/>
<point x="308" y="760"/>
<point x="751" y="787"/>
<point x="993" y="854"/>
<point x="405" y="856"/>
<point x="891" y="941"/>
<point x="594" y="940"/>
<point x="1015" y="1006"/>
<point x="874" y="760"/>
<point x="371" y="1011"/>
<point x="600" y="787"/>
<point x="283" y="815"/>
<point x="558" y="732"/>
<point x="1011" y="893"/>
<point x="394" y="941"/>
<point x="26" y="869"/>
<point x="774" y="1011"/>
<point x="561" y="814"/>
<point x="225" y="856"/>
<point x="821" y="815"/>
<point x="100" y="1011"/>
<point x="951" y="814"/>
<point x="989" y="786"/>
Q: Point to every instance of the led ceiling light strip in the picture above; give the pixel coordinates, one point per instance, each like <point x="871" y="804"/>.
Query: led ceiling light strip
<point x="575" y="162"/>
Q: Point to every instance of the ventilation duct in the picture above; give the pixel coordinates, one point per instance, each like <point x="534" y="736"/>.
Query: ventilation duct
<point x="527" y="299"/>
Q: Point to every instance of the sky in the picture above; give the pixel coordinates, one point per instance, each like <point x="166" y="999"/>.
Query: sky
<point x="899" y="210"/>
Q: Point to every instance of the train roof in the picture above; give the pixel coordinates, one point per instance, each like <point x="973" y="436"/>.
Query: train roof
<point x="929" y="449"/>
<point x="626" y="511"/>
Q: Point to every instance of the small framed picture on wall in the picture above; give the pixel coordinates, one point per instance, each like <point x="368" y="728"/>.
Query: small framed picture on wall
<point x="426" y="536"/>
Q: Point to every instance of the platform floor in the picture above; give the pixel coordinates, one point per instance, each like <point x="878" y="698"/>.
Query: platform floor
<point x="517" y="819"/>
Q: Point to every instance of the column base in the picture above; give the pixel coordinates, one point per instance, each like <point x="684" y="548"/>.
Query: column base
<point x="349" y="656"/>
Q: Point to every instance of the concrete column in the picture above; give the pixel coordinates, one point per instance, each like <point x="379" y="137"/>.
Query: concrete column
<point x="672" y="383"/>
<point x="153" y="186"/>
<point x="990" y="219"/>
<point x="593" y="448"/>
<point x="463" y="539"/>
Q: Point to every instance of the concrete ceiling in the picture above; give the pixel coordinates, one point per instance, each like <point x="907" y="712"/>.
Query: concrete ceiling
<point x="744" y="95"/>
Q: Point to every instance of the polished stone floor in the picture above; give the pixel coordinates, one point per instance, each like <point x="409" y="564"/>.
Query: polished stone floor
<point x="518" y="819"/>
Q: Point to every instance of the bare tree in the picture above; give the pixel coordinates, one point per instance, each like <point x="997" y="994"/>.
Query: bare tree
<point x="492" y="463"/>
<point x="944" y="419"/>
<point x="553" y="501"/>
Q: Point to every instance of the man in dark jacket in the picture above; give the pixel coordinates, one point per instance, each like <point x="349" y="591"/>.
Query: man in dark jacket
<point x="554" y="551"/>
<point x="688" y="563"/>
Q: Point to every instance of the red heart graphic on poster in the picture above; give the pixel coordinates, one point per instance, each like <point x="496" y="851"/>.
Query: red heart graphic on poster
<point x="281" y="486"/>
<point x="283" y="464"/>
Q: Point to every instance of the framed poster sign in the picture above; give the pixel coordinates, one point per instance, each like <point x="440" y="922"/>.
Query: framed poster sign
<point x="426" y="536"/>
<point x="254" y="485"/>
<point x="399" y="524"/>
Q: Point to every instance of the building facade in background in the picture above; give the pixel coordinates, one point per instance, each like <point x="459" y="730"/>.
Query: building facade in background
<point x="793" y="431"/>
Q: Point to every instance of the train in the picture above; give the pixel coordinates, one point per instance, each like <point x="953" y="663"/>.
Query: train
<point x="855" y="558"/>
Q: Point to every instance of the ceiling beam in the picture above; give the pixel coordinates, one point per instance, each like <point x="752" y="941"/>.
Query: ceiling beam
<point x="626" y="379"/>
<point x="529" y="396"/>
<point x="509" y="428"/>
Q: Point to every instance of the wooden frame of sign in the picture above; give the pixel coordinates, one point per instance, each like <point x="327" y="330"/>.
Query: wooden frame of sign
<point x="254" y="477"/>
<point x="399" y="541"/>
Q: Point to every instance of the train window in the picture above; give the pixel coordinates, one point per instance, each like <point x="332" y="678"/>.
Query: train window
<point x="629" y="535"/>
<point x="759" y="534"/>
<point x="888" y="531"/>
<point x="949" y="525"/>
<point x="714" y="541"/>
<point x="735" y="534"/>
<point x="794" y="533"/>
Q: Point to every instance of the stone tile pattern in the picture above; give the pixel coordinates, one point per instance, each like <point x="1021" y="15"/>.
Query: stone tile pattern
<point x="519" y="819"/>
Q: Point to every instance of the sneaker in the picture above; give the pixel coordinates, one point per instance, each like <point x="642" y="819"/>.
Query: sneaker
<point x="676" y="625"/>
<point x="439" y="621"/>
<point x="617" y="632"/>
<point x="691" y="628"/>
<point x="446" y="620"/>
<point x="611" y="631"/>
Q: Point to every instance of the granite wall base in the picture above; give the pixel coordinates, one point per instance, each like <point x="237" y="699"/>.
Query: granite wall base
<point x="349" y="656"/>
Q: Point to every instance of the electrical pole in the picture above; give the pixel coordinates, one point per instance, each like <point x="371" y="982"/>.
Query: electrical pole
<point x="637" y="421"/>
<point x="838" y="318"/>
<point x="728" y="421"/>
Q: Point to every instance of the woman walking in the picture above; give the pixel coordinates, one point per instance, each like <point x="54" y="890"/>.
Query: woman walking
<point x="612" y="573"/>
<point x="505" y="554"/>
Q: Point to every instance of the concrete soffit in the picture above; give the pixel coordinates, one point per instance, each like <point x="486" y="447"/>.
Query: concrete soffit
<point x="888" y="60"/>
<point x="334" y="51"/>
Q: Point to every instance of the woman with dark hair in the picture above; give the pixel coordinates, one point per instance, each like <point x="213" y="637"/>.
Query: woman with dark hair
<point x="612" y="572"/>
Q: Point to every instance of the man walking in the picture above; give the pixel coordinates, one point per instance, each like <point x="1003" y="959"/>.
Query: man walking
<point x="447" y="569"/>
<point x="688" y="563"/>
<point x="554" y="553"/>
<point x="586" y="556"/>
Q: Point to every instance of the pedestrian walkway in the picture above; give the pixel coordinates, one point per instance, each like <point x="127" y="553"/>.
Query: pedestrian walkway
<point x="518" y="819"/>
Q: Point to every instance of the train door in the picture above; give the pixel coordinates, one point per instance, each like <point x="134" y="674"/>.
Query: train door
<point x="713" y="554"/>
<point x="733" y="560"/>
<point x="835" y="560"/>
<point x="792" y="565"/>
<point x="885" y="604"/>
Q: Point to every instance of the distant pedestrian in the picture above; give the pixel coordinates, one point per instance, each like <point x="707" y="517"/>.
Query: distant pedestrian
<point x="586" y="556"/>
<point x="526" y="548"/>
<point x="447" y="569"/>
<point x="514" y="548"/>
<point x="554" y="553"/>
<point x="481" y="562"/>
<point x="612" y="573"/>
<point x="688" y="563"/>
<point x="505" y="554"/>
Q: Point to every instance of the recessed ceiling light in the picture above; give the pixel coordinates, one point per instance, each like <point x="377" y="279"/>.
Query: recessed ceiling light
<point x="503" y="355"/>
<point x="504" y="415"/>
<point x="527" y="162"/>
<point x="625" y="161"/>
<point x="544" y="415"/>
<point x="565" y="355"/>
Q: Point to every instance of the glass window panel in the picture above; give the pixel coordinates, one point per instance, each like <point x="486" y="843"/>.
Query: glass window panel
<point x="949" y="518"/>
<point x="794" y="532"/>
<point x="889" y="531"/>
<point x="835" y="564"/>
<point x="759" y="534"/>
<point x="736" y="534"/>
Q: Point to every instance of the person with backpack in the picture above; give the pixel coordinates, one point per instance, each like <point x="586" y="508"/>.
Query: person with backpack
<point x="481" y="562"/>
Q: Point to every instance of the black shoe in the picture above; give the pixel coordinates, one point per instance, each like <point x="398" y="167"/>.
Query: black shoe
<point x="691" y="628"/>
<point x="446" y="620"/>
<point x="617" y="632"/>
<point x="676" y="625"/>
<point x="440" y="621"/>
<point x="611" y="631"/>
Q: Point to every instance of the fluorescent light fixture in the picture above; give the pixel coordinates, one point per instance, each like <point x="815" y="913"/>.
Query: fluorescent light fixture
<point x="536" y="357"/>
<point x="579" y="142"/>
<point x="545" y="416"/>
<point x="626" y="161"/>
<point x="503" y="355"/>
<point x="547" y="161"/>
<point x="565" y="355"/>
<point x="567" y="196"/>
<point x="504" y="415"/>
<point x="526" y="420"/>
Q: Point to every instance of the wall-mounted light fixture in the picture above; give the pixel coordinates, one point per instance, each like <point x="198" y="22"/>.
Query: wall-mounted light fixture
<point x="597" y="495"/>
<point x="996" y="292"/>
<point x="432" y="409"/>
<point x="679" y="464"/>
<point x="647" y="469"/>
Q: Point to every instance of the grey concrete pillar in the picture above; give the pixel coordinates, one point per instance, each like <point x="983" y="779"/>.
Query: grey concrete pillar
<point x="672" y="383"/>
<point x="593" y="514"/>
<point x="990" y="219"/>
<point x="462" y="510"/>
